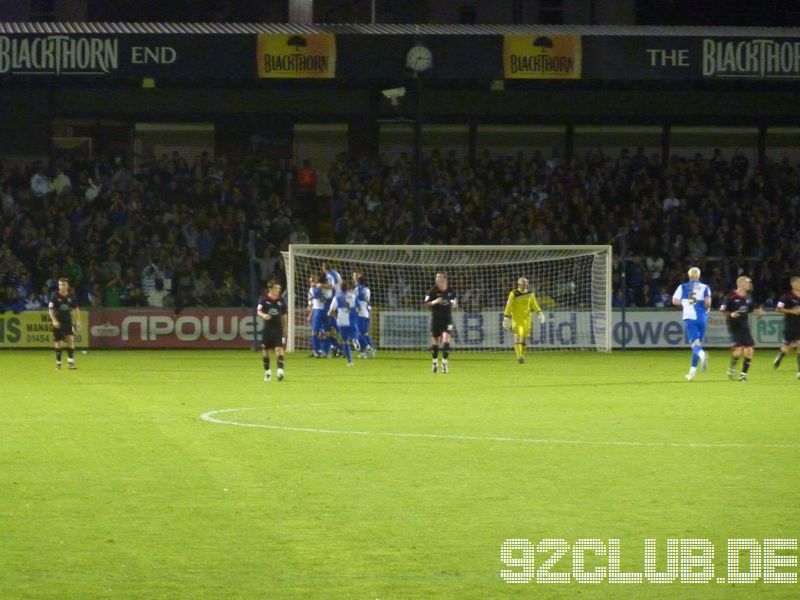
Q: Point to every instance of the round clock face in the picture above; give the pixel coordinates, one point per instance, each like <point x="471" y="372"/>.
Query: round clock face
<point x="419" y="59"/>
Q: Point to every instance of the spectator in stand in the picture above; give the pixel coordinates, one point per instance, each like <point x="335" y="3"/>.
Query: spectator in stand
<point x="205" y="243"/>
<point x="12" y="302"/>
<point x="228" y="292"/>
<point x="62" y="184"/>
<point x="6" y="199"/>
<point x="307" y="184"/>
<point x="95" y="296"/>
<point x="654" y="263"/>
<point x="158" y="296"/>
<point x="204" y="287"/>
<point x="24" y="286"/>
<point x="267" y="262"/>
<point x="618" y="300"/>
<point x="41" y="184"/>
<point x="34" y="302"/>
<point x="113" y="290"/>
<point x="150" y="274"/>
<point x="299" y="235"/>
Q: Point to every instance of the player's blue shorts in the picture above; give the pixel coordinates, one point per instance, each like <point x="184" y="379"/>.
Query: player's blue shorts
<point x="319" y="320"/>
<point x="363" y="325"/>
<point x="332" y="326"/>
<point x="346" y="331"/>
<point x="695" y="329"/>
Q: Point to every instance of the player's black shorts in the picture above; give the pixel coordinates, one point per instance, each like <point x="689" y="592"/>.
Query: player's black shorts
<point x="741" y="336"/>
<point x="271" y="339"/>
<point x="60" y="333"/>
<point x="439" y="327"/>
<point x="791" y="334"/>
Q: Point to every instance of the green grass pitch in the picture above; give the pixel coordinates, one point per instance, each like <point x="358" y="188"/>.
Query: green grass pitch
<point x="382" y="480"/>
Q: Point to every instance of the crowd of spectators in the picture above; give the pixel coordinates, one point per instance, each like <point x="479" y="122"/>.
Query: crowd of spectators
<point x="175" y="235"/>
<point x="170" y="235"/>
<point x="720" y="213"/>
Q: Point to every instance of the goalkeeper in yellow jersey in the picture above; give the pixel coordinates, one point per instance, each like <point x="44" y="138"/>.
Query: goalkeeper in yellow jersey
<point x="517" y="316"/>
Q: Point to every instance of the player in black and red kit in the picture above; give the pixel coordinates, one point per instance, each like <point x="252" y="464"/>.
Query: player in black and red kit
<point x="737" y="306"/>
<point x="789" y="305"/>
<point x="272" y="309"/>
<point x="66" y="320"/>
<point x="441" y="300"/>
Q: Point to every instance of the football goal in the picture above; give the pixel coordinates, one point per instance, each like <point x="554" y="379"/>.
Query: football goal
<point x="572" y="284"/>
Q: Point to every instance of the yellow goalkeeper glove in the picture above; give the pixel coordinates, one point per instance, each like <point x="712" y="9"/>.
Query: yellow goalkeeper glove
<point x="541" y="317"/>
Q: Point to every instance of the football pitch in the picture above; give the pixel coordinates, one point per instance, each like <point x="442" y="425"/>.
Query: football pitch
<point x="182" y="474"/>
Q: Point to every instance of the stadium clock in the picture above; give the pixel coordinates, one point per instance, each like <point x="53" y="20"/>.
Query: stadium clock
<point x="419" y="58"/>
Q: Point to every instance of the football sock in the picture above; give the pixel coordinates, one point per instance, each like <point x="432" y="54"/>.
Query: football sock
<point x="58" y="356"/>
<point x="435" y="351"/>
<point x="746" y="365"/>
<point x="522" y="349"/>
<point x="70" y="355"/>
<point x="696" y="354"/>
<point x="734" y="360"/>
<point x="347" y="352"/>
<point x="779" y="358"/>
<point x="280" y="362"/>
<point x="517" y="349"/>
<point x="266" y="363"/>
<point x="445" y="350"/>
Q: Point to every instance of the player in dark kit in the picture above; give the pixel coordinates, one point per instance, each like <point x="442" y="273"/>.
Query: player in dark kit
<point x="272" y="309"/>
<point x="441" y="300"/>
<point x="66" y="320"/>
<point x="736" y="307"/>
<point x="789" y="305"/>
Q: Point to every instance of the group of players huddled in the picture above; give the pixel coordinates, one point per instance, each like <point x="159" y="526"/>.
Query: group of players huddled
<point x="339" y="314"/>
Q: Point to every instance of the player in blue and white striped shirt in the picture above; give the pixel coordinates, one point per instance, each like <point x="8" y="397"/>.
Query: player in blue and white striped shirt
<point x="331" y="284"/>
<point x="695" y="298"/>
<point x="317" y="316"/>
<point x="341" y="306"/>
<point x="363" y="295"/>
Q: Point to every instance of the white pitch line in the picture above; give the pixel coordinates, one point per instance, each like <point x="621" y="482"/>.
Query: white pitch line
<point x="209" y="417"/>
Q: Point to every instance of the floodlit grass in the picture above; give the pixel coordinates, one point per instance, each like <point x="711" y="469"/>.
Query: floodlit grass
<point x="381" y="480"/>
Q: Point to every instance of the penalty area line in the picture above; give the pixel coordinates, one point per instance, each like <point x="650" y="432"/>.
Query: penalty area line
<point x="211" y="418"/>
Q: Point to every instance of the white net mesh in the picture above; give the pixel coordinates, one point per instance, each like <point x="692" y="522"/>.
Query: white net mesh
<point x="572" y="284"/>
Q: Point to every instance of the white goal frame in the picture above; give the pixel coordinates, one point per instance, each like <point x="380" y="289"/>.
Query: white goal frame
<point x="601" y="324"/>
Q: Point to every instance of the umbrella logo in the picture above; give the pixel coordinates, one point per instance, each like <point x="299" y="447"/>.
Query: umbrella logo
<point x="543" y="42"/>
<point x="298" y="41"/>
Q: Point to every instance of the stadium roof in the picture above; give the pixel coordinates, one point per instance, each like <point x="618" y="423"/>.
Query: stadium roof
<point x="66" y="28"/>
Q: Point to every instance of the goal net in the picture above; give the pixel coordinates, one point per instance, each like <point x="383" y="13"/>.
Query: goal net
<point x="572" y="285"/>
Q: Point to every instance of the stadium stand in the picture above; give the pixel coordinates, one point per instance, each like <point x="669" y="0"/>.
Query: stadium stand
<point x="174" y="235"/>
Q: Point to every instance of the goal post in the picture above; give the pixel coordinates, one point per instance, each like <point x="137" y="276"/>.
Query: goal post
<point x="572" y="285"/>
